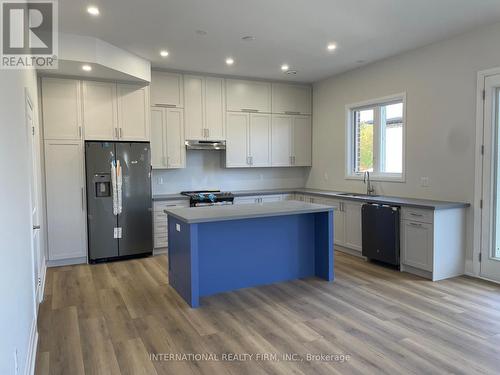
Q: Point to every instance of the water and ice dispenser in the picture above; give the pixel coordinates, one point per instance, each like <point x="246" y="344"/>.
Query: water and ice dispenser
<point x="102" y="183"/>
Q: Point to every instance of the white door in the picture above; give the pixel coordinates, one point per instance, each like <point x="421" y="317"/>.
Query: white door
<point x="490" y="231"/>
<point x="133" y="112"/>
<point x="214" y="108"/>
<point x="193" y="106"/>
<point x="259" y="135"/>
<point x="281" y="131"/>
<point x="99" y="110"/>
<point x="237" y="139"/>
<point x="353" y="234"/>
<point x="61" y="106"/>
<point x="35" y="182"/>
<point x="65" y="199"/>
<point x="167" y="89"/>
<point x="175" y="137"/>
<point x="158" y="138"/>
<point x="301" y="141"/>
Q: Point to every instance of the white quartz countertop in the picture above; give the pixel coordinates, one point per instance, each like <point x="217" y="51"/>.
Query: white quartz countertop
<point x="192" y="215"/>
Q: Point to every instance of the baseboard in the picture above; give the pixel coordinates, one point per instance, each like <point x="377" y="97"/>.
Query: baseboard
<point x="41" y="289"/>
<point x="469" y="268"/>
<point x="160" y="250"/>
<point x="66" y="262"/>
<point x="349" y="251"/>
<point x="29" y="368"/>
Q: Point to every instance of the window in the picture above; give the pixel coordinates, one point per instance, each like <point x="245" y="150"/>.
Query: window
<point x="375" y="138"/>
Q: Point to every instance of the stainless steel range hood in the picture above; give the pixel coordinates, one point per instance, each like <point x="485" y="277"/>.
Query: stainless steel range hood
<point x="206" y="145"/>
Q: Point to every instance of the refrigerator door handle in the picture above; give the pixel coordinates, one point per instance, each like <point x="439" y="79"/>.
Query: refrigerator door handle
<point x="83" y="199"/>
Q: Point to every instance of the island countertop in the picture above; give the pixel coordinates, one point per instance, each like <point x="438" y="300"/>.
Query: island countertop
<point x="193" y="215"/>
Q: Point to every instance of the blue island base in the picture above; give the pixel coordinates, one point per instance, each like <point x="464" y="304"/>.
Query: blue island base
<point x="213" y="257"/>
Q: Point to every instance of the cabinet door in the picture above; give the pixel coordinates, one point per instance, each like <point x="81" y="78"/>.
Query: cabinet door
<point x="353" y="233"/>
<point x="99" y="110"/>
<point x="247" y="200"/>
<point x="301" y="141"/>
<point x="252" y="96"/>
<point x="65" y="199"/>
<point x="167" y="89"/>
<point x="214" y="108"/>
<point x="418" y="244"/>
<point x="237" y="139"/>
<point x="133" y="112"/>
<point x="338" y="223"/>
<point x="176" y="150"/>
<point x="193" y="107"/>
<point x="291" y="99"/>
<point x="281" y="128"/>
<point x="259" y="135"/>
<point x="61" y="107"/>
<point x="158" y="138"/>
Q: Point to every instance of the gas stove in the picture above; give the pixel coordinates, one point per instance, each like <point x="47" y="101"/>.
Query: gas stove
<point x="208" y="197"/>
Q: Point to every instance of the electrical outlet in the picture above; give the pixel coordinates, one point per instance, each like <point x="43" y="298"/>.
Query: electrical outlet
<point x="424" y="181"/>
<point x="178" y="227"/>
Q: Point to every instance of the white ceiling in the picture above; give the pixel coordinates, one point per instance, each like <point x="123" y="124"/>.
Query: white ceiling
<point x="295" y="32"/>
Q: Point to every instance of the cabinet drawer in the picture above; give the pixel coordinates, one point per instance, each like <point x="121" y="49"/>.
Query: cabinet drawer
<point x="418" y="214"/>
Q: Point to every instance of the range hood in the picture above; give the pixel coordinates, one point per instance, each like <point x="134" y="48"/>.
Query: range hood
<point x="206" y="145"/>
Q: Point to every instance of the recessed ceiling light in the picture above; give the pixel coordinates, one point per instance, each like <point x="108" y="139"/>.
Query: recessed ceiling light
<point x="163" y="53"/>
<point x="86" y="67"/>
<point x="248" y="38"/>
<point x="229" y="61"/>
<point x="285" y="67"/>
<point x="331" y="47"/>
<point x="93" y="10"/>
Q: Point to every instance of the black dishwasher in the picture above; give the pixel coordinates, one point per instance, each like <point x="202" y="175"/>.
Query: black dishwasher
<point x="380" y="228"/>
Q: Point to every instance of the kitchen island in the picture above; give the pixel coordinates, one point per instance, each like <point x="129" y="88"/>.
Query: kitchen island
<point x="216" y="249"/>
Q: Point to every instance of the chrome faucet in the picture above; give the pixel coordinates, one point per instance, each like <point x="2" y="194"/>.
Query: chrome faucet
<point x="370" y="190"/>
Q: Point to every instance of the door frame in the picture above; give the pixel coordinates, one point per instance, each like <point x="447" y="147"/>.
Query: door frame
<point x="473" y="267"/>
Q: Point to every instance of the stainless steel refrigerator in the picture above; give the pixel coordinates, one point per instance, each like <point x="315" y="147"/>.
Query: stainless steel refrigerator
<point x="119" y="220"/>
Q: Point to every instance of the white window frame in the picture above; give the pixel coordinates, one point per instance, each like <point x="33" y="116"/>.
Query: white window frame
<point x="350" y="173"/>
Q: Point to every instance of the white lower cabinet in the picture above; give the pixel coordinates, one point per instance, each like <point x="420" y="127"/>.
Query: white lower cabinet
<point x="353" y="233"/>
<point x="167" y="141"/>
<point x="160" y="221"/>
<point x="65" y="193"/>
<point x="417" y="244"/>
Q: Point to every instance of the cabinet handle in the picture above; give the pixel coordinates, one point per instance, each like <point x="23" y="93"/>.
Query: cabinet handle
<point x="292" y="113"/>
<point x="120" y="132"/>
<point x="80" y="132"/>
<point x="83" y="200"/>
<point x="116" y="133"/>
<point x="208" y="133"/>
<point x="165" y="105"/>
<point x="168" y="161"/>
<point x="249" y="110"/>
<point x="293" y="160"/>
<point x="414" y="214"/>
<point x="416" y="225"/>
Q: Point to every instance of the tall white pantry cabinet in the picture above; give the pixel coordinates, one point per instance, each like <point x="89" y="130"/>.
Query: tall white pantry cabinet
<point x="74" y="111"/>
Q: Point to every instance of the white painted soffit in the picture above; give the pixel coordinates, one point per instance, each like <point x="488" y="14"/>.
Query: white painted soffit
<point x="107" y="60"/>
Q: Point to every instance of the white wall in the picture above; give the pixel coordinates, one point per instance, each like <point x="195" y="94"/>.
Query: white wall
<point x="204" y="170"/>
<point x="16" y="273"/>
<point x="440" y="82"/>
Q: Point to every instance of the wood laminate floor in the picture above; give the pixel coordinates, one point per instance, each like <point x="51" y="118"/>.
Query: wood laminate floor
<point x="109" y="318"/>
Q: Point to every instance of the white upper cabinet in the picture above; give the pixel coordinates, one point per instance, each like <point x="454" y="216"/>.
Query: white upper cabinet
<point x="61" y="106"/>
<point x="158" y="138"/>
<point x="301" y="141"/>
<point x="194" y="106"/>
<point x="204" y="108"/>
<point x="214" y="108"/>
<point x="248" y="96"/>
<point x="167" y="138"/>
<point x="133" y="112"/>
<point x="167" y="89"/>
<point x="291" y="99"/>
<point x="237" y="139"/>
<point x="99" y="110"/>
<point x="281" y="140"/>
<point x="175" y="138"/>
<point x="259" y="140"/>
